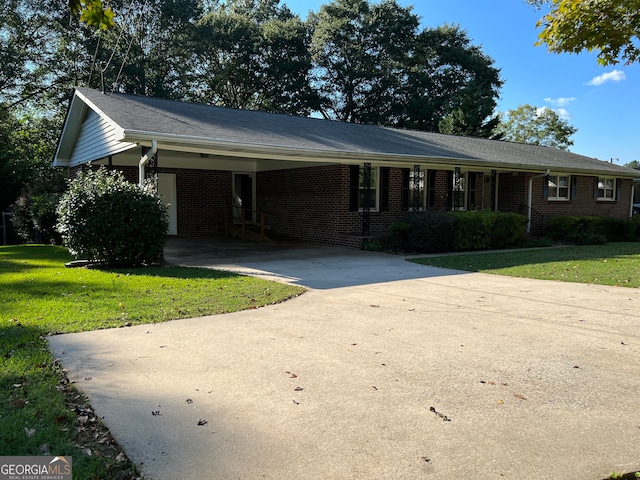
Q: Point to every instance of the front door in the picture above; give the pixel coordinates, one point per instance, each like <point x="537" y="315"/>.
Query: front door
<point x="243" y="190"/>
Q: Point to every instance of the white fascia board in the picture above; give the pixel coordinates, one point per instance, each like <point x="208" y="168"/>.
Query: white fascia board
<point x="70" y="131"/>
<point x="93" y="106"/>
<point x="206" y="145"/>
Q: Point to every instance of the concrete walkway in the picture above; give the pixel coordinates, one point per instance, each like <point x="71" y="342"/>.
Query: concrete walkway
<point x="383" y="370"/>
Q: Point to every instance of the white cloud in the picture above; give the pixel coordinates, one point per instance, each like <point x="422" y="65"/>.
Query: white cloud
<point x="560" y="102"/>
<point x="615" y="76"/>
<point x="541" y="110"/>
<point x="563" y="113"/>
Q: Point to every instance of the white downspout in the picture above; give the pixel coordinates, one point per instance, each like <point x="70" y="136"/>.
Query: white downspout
<point x="145" y="159"/>
<point x="531" y="198"/>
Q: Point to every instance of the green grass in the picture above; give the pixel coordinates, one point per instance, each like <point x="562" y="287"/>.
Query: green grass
<point x="615" y="264"/>
<point x="39" y="296"/>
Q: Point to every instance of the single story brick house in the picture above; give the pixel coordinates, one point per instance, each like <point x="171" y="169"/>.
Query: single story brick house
<point x="324" y="181"/>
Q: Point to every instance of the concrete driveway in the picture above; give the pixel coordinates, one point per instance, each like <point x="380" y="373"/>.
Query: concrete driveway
<point x="382" y="370"/>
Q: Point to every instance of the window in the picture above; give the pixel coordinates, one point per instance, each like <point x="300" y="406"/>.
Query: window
<point x="358" y="189"/>
<point x="457" y="190"/>
<point x="606" y="188"/>
<point x="558" y="187"/>
<point x="426" y="187"/>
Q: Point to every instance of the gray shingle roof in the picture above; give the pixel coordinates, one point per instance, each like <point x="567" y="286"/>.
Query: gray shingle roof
<point x="190" y="121"/>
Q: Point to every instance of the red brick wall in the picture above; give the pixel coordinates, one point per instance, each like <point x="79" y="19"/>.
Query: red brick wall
<point x="202" y="198"/>
<point x="312" y="204"/>
<point x="583" y="203"/>
<point x="512" y="192"/>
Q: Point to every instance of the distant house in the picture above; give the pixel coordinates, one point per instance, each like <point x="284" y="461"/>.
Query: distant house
<point x="324" y="181"/>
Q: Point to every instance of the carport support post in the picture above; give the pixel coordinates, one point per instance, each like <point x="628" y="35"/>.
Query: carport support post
<point x="416" y="188"/>
<point x="366" y="204"/>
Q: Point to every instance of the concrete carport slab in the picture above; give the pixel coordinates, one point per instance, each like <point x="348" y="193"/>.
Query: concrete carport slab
<point x="437" y="375"/>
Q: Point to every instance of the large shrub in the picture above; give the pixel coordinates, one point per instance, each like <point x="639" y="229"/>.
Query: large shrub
<point x="585" y="230"/>
<point x="459" y="231"/>
<point x="104" y="218"/>
<point x="430" y="232"/>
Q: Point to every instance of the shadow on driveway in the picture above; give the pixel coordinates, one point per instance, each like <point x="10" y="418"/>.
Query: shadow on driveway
<point x="314" y="266"/>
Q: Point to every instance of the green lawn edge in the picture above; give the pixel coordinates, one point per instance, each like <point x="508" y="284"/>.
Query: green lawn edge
<point x="613" y="264"/>
<point x="41" y="411"/>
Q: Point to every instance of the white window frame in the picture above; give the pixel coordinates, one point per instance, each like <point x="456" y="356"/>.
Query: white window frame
<point x="603" y="187"/>
<point x="557" y="177"/>
<point x="464" y="178"/>
<point x="422" y="191"/>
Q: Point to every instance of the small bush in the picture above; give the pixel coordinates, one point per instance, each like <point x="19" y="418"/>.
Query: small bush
<point x="372" y="245"/>
<point x="104" y="218"/>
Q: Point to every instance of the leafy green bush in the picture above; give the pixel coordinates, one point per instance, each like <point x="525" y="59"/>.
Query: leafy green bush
<point x="592" y="230"/>
<point x="430" y="232"/>
<point x="459" y="231"/>
<point x="34" y="211"/>
<point x="104" y="218"/>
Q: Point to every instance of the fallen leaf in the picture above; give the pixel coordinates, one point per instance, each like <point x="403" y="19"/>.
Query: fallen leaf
<point x="202" y="422"/>
<point x="298" y="389"/>
<point x="500" y="402"/>
<point x="121" y="457"/>
<point x="517" y="395"/>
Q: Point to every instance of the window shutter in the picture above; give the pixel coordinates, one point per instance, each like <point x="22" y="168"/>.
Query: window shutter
<point x="618" y="188"/>
<point x="595" y="188"/>
<point x="385" y="173"/>
<point x="405" y="188"/>
<point x="354" y="187"/>
<point x="574" y="187"/>
<point x="545" y="187"/>
<point x="449" y="190"/>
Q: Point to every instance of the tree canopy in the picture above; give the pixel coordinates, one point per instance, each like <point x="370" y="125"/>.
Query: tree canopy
<point x="535" y="126"/>
<point x="372" y="64"/>
<point x="609" y="27"/>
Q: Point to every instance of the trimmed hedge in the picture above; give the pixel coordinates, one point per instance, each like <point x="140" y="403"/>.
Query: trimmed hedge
<point x="458" y="231"/>
<point x="593" y="230"/>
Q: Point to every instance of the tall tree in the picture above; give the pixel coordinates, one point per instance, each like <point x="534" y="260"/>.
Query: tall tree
<point x="610" y="27"/>
<point x="361" y="55"/>
<point x="373" y="65"/>
<point x="454" y="85"/>
<point x="251" y="55"/>
<point x="146" y="51"/>
<point x="536" y="126"/>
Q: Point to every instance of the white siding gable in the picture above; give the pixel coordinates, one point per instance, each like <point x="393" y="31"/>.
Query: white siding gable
<point x="96" y="140"/>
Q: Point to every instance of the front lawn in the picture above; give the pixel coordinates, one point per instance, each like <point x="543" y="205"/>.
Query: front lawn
<point x="40" y="412"/>
<point x="611" y="264"/>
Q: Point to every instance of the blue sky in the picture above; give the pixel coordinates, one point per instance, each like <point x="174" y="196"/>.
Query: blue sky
<point x="603" y="103"/>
